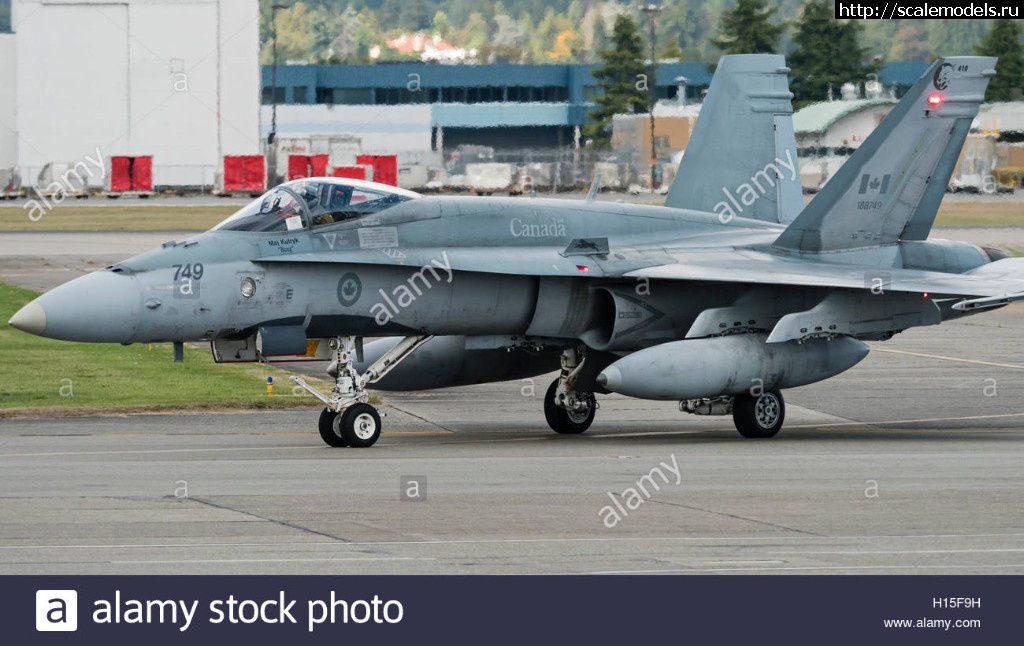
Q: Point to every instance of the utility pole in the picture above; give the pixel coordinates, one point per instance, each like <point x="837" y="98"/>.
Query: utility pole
<point x="652" y="10"/>
<point x="272" y="138"/>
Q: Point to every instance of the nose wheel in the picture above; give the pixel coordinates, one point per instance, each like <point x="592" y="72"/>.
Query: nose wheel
<point x="327" y="432"/>
<point x="348" y="420"/>
<point x="359" y="425"/>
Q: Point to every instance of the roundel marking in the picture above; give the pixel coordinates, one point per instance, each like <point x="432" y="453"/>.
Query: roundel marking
<point x="349" y="289"/>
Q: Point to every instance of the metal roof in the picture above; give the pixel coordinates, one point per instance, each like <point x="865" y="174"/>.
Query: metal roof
<point x="819" y="117"/>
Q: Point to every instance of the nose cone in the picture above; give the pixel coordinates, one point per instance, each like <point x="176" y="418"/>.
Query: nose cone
<point x="101" y="307"/>
<point x="31" y="319"/>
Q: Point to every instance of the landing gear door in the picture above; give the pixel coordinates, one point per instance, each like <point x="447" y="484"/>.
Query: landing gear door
<point x="240" y="351"/>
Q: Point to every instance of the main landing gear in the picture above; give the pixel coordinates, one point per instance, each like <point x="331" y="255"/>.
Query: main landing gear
<point x="759" y="416"/>
<point x="348" y="419"/>
<point x="567" y="410"/>
<point x="755" y="416"/>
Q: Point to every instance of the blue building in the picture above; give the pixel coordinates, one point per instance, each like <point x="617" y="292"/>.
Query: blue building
<point x="501" y="105"/>
<point x="418" y="110"/>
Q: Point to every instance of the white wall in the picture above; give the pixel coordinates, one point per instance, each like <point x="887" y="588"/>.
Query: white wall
<point x="403" y="130"/>
<point x="8" y="103"/>
<point x="175" y="79"/>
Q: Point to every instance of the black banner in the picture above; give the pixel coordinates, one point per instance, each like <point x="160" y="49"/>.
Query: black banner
<point x="510" y="610"/>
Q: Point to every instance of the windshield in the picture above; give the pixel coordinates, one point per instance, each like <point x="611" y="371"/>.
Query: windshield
<point x="314" y="202"/>
<point x="277" y="210"/>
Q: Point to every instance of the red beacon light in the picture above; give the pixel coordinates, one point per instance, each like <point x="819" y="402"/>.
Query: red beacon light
<point x="935" y="99"/>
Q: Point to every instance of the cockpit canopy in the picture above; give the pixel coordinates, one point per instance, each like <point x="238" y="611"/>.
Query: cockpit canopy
<point x="313" y="202"/>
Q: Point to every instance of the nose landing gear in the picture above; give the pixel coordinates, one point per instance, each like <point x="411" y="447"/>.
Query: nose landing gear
<point x="348" y="419"/>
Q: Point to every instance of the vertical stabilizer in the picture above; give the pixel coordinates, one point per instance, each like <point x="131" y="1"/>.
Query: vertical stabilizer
<point x="889" y="190"/>
<point x="741" y="158"/>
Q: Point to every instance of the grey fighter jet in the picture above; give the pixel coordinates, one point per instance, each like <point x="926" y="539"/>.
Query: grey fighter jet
<point x="720" y="299"/>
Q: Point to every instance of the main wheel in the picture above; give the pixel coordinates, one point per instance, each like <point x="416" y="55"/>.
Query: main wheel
<point x="568" y="422"/>
<point x="759" y="416"/>
<point x="327" y="432"/>
<point x="359" y="425"/>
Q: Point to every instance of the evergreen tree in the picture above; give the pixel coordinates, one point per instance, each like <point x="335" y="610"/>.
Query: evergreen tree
<point x="745" y="29"/>
<point x="910" y="43"/>
<point x="1003" y="40"/>
<point x="828" y="52"/>
<point x="622" y="77"/>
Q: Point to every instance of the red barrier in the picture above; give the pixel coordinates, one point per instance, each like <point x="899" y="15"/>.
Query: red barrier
<point x="120" y="175"/>
<point x="245" y="173"/>
<point x="300" y="166"/>
<point x="131" y="173"/>
<point x="349" y="172"/>
<point x="142" y="174"/>
<point x="385" y="167"/>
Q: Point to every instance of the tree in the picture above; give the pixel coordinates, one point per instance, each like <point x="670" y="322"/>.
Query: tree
<point x="292" y="28"/>
<point x="345" y="45"/>
<point x="441" y="24"/>
<point x="828" y="53"/>
<point x="745" y="29"/>
<point x="1003" y="40"/>
<point x="565" y="45"/>
<point x="622" y="78"/>
<point x="671" y="52"/>
<point x="910" y="43"/>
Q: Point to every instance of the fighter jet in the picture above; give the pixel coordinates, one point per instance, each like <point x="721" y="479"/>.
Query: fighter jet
<point x="722" y="298"/>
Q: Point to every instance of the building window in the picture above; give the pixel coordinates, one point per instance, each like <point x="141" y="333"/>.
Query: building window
<point x="270" y="96"/>
<point x="554" y="94"/>
<point x="299" y="94"/>
<point x="453" y="95"/>
<point x="352" y="96"/>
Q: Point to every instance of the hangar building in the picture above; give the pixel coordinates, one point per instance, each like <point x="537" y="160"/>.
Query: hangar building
<point x="174" y="79"/>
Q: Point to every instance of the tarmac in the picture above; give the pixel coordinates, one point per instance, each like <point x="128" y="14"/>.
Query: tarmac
<point x="910" y="463"/>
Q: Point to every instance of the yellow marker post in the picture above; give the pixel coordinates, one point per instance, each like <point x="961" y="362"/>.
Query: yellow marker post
<point x="270" y="386"/>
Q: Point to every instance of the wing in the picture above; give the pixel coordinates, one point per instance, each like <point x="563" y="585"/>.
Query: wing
<point x="1001" y="279"/>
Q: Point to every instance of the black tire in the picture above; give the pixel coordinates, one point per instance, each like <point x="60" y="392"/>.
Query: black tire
<point x="359" y="425"/>
<point x="326" y="426"/>
<point x="759" y="416"/>
<point x="566" y="422"/>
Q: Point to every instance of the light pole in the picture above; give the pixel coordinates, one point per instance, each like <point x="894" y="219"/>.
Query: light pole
<point x="272" y="137"/>
<point x="652" y="10"/>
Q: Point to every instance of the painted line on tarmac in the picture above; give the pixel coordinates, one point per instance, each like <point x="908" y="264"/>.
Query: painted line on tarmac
<point x="912" y="421"/>
<point x="491" y="541"/>
<point x="995" y="364"/>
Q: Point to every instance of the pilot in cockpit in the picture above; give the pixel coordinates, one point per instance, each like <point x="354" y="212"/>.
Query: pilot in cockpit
<point x="333" y="201"/>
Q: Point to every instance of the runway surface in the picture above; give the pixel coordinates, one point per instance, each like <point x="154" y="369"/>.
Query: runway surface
<point x="912" y="462"/>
